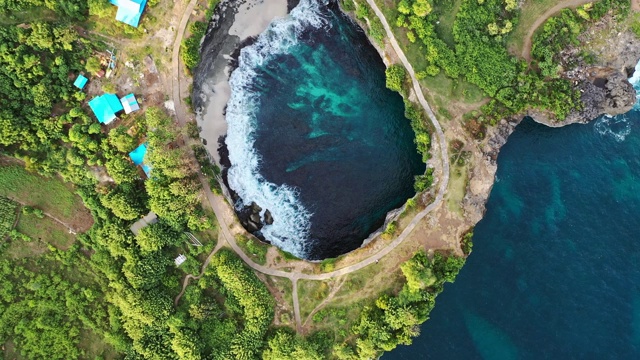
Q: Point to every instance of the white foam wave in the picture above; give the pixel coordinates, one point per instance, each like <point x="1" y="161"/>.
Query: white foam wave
<point x="616" y="127"/>
<point x="290" y="228"/>
<point x="635" y="81"/>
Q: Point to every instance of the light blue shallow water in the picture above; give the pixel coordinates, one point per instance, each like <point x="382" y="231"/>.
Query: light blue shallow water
<point x="555" y="271"/>
<point x="315" y="137"/>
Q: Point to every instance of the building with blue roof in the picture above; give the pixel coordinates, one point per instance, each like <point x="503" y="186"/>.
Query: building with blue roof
<point x="105" y="107"/>
<point x="129" y="11"/>
<point x="137" y="156"/>
<point x="80" y="82"/>
<point x="129" y="103"/>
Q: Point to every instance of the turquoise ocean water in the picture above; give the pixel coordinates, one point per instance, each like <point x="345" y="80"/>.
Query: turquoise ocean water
<point x="315" y="137"/>
<point x="555" y="268"/>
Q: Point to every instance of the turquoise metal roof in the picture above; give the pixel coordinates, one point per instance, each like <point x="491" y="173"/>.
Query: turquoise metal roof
<point x="137" y="156"/>
<point x="105" y="107"/>
<point x="80" y="82"/>
<point x="129" y="11"/>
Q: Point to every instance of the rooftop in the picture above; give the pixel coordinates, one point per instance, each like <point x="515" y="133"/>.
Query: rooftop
<point x="129" y="103"/>
<point x="129" y="11"/>
<point x="80" y="82"/>
<point x="137" y="156"/>
<point x="105" y="107"/>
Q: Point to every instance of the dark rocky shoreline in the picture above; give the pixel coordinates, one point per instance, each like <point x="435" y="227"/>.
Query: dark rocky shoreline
<point x="217" y="38"/>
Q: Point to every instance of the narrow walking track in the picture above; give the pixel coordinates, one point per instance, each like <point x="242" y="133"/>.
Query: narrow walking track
<point x="528" y="40"/>
<point x="189" y="277"/>
<point x="67" y="226"/>
<point x="225" y="215"/>
<point x="175" y="63"/>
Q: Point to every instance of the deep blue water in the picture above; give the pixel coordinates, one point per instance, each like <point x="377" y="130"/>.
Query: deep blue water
<point x="554" y="272"/>
<point x="315" y="137"/>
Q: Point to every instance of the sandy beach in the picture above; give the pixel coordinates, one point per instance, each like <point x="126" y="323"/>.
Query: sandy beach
<point x="233" y="23"/>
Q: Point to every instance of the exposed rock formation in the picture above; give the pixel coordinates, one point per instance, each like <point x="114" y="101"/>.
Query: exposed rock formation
<point x="604" y="87"/>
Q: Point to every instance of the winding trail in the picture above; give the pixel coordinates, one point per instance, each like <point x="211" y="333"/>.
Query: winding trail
<point x="526" y="49"/>
<point x="226" y="217"/>
<point x="189" y="277"/>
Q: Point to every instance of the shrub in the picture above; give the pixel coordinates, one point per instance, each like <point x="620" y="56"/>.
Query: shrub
<point x="395" y="75"/>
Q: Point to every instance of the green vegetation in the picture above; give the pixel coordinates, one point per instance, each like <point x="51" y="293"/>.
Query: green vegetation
<point x="208" y="168"/>
<point x="35" y="228"/>
<point x="393" y="318"/>
<point x="396" y="76"/>
<point x="563" y="30"/>
<point x="256" y="250"/>
<point x="67" y="308"/>
<point x="108" y="292"/>
<point x="47" y="194"/>
<point x="74" y="9"/>
<point x="7" y="216"/>
<point x="473" y="47"/>
<point x="190" y="46"/>
<point x="375" y="29"/>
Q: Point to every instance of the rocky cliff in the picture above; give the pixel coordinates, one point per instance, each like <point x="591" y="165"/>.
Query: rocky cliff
<point x="599" y="68"/>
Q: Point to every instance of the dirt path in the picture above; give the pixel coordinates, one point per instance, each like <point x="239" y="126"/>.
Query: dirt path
<point x="175" y="64"/>
<point x="526" y="49"/>
<point x="225" y="215"/>
<point x="324" y="302"/>
<point x="635" y="5"/>
<point x="189" y="277"/>
<point x="67" y="226"/>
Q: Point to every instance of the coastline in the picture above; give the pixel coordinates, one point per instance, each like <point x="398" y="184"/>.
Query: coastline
<point x="618" y="97"/>
<point x="220" y="50"/>
<point x="232" y="26"/>
<point x="481" y="175"/>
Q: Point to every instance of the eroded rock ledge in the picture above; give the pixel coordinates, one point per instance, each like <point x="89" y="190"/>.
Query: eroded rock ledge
<point x="603" y="86"/>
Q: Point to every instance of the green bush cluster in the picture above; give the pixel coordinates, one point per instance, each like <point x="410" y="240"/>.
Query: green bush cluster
<point x="7" y="216"/>
<point x="396" y="76"/>
<point x="74" y="9"/>
<point x="393" y="320"/>
<point x="190" y="47"/>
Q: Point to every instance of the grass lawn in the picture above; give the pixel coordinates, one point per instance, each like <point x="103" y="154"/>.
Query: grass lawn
<point x="529" y="13"/>
<point x="457" y="188"/>
<point x="48" y="194"/>
<point x="458" y="90"/>
<point x="447" y="11"/>
<point x="311" y="293"/>
<point x="95" y="347"/>
<point x="19" y="17"/>
<point x="46" y="230"/>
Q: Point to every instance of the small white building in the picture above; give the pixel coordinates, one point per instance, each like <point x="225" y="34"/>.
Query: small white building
<point x="180" y="259"/>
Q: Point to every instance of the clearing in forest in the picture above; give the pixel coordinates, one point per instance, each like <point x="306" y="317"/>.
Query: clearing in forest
<point x="48" y="194"/>
<point x="533" y="14"/>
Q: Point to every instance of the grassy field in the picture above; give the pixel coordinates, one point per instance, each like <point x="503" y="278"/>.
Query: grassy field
<point x="19" y="17"/>
<point x="311" y="293"/>
<point x="255" y="249"/>
<point x="447" y="11"/>
<point x="457" y="188"/>
<point x="48" y="194"/>
<point x="359" y="289"/>
<point x="47" y="230"/>
<point x="439" y="87"/>
<point x="95" y="347"/>
<point x="529" y="13"/>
